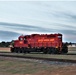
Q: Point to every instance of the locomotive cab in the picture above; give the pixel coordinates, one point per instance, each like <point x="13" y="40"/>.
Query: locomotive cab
<point x="23" y="39"/>
<point x="60" y="37"/>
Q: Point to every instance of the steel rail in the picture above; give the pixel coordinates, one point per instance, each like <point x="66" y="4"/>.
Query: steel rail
<point x="39" y="58"/>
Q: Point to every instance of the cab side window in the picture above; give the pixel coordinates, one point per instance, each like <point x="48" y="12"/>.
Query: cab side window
<point x="20" y="39"/>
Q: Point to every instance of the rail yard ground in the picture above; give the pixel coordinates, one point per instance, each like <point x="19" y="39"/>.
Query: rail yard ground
<point x="20" y="66"/>
<point x="17" y="66"/>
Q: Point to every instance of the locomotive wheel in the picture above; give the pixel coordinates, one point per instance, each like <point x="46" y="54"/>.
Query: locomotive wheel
<point x="49" y="51"/>
<point x="45" y="51"/>
<point x="52" y="50"/>
<point x="28" y="51"/>
<point x="24" y="50"/>
<point x="21" y="50"/>
<point x="16" y="50"/>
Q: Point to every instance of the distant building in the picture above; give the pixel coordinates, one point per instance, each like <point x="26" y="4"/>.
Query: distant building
<point x="72" y="45"/>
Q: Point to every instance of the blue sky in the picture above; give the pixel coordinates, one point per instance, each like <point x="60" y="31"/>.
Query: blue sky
<point x="43" y="17"/>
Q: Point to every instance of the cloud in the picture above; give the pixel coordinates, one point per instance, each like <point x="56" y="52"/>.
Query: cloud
<point x="8" y="35"/>
<point x="38" y="17"/>
<point x="12" y="31"/>
<point x="24" y="27"/>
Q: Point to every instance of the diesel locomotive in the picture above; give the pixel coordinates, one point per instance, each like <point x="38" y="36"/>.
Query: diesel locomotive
<point x="46" y="43"/>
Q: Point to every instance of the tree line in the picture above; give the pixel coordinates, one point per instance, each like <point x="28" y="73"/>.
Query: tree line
<point x="6" y="44"/>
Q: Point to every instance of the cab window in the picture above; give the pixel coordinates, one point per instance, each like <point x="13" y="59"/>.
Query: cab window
<point x="59" y="36"/>
<point x="20" y="39"/>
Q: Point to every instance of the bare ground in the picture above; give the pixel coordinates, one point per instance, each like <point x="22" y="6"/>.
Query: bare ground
<point x="4" y="49"/>
<point x="10" y="66"/>
<point x="71" y="70"/>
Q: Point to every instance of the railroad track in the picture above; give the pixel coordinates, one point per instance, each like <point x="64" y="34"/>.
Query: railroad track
<point x="39" y="58"/>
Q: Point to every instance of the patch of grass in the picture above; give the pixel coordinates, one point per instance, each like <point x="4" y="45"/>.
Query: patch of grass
<point x="23" y="67"/>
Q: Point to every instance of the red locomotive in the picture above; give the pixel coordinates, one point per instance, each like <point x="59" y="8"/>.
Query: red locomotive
<point x="46" y="43"/>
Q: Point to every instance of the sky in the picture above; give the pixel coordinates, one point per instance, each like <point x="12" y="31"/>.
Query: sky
<point x="37" y="17"/>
